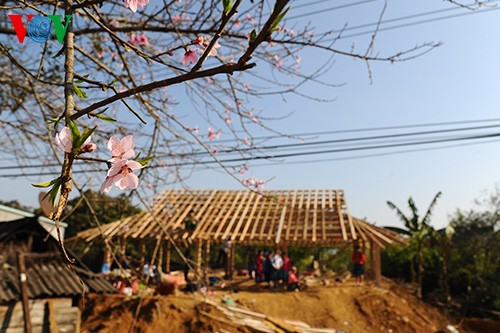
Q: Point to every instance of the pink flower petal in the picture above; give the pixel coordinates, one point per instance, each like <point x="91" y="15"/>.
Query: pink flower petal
<point x="130" y="181"/>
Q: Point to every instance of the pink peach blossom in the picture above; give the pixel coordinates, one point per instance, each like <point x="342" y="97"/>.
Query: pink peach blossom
<point x="211" y="134"/>
<point x="199" y="40"/>
<point x="121" y="149"/>
<point x="64" y="141"/>
<point x="121" y="174"/>
<point x="134" y="4"/>
<point x="189" y="57"/>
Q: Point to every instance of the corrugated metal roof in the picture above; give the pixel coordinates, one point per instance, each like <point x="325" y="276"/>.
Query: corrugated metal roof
<point x="50" y="277"/>
<point x="9" y="214"/>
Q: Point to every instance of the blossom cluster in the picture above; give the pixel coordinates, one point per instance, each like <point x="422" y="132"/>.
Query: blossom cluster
<point x="121" y="172"/>
<point x="122" y="151"/>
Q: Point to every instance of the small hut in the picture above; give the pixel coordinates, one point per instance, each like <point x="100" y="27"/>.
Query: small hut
<point x="280" y="218"/>
<point x="38" y="292"/>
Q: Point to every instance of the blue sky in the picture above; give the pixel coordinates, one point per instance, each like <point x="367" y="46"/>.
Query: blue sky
<point x="456" y="81"/>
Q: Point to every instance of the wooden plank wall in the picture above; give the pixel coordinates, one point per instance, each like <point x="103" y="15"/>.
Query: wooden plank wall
<point x="58" y="316"/>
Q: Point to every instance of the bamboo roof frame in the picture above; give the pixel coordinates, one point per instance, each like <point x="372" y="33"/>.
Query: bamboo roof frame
<point x="304" y="218"/>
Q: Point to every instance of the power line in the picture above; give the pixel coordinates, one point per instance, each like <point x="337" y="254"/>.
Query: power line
<point x="306" y="153"/>
<point x="414" y="23"/>
<point x="306" y="144"/>
<point x="402" y="18"/>
<point x="308" y="4"/>
<point x="331" y="9"/>
<point x="376" y="155"/>
<point x="314" y="143"/>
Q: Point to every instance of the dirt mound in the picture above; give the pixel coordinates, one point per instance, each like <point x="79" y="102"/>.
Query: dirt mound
<point x="116" y="313"/>
<point x="344" y="307"/>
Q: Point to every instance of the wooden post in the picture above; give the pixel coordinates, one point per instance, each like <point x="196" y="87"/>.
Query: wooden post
<point x="123" y="246"/>
<point x="376" y="265"/>
<point x="24" y="292"/>
<point x="167" y="257"/>
<point x="53" y="327"/>
<point x="198" y="257"/>
<point x="230" y="261"/>
<point x="160" y="257"/>
<point x="207" y="259"/>
<point x="143" y="252"/>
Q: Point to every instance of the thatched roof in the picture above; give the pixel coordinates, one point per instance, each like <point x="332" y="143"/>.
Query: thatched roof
<point x="288" y="217"/>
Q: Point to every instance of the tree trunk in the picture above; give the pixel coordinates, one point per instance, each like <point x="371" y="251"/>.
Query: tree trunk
<point x="444" y="275"/>
<point x="420" y="270"/>
<point x="412" y="270"/>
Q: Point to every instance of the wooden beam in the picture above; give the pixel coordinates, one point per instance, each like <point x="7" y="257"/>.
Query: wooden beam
<point x="168" y="256"/>
<point x="307" y="211"/>
<point x="249" y="219"/>
<point x="208" y="220"/>
<point x="353" y="231"/>
<point x="340" y="213"/>
<point x="299" y="214"/>
<point x="244" y="199"/>
<point x="143" y="252"/>
<point x="198" y="258"/>
<point x="23" y="281"/>
<point x="323" y="215"/>
<point x="231" y="211"/>
<point x="207" y="259"/>
<point x="267" y="206"/>
<point x="223" y="205"/>
<point x="290" y="215"/>
<point x="53" y="327"/>
<point x="315" y="215"/>
<point x="280" y="226"/>
<point x="376" y="262"/>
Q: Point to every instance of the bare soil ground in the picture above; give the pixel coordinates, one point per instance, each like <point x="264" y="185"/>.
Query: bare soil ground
<point x="342" y="306"/>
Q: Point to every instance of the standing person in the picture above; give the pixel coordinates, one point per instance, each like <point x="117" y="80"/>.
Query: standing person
<point x="223" y="253"/>
<point x="277" y="264"/>
<point x="190" y="222"/>
<point x="358" y="260"/>
<point x="268" y="268"/>
<point x="293" y="279"/>
<point x="287" y="266"/>
<point x="259" y="267"/>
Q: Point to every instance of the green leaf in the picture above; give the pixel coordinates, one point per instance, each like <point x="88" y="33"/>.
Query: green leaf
<point x="80" y="93"/>
<point x="227" y="4"/>
<point x="101" y="112"/>
<point x="144" y="162"/>
<point x="54" y="193"/>
<point x="278" y="20"/>
<point x="253" y="35"/>
<point x="80" y="80"/>
<point x="74" y="131"/>
<point x="106" y="118"/>
<point x="54" y="121"/>
<point x="46" y="184"/>
<point x="86" y="133"/>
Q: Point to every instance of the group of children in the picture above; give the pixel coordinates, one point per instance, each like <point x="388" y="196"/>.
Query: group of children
<point x="276" y="270"/>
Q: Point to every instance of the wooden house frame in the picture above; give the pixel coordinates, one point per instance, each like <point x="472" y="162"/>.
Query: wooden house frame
<point x="277" y="218"/>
